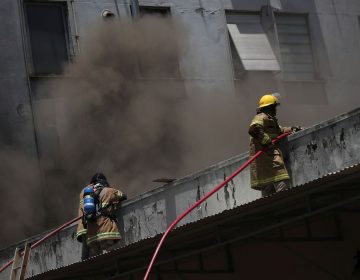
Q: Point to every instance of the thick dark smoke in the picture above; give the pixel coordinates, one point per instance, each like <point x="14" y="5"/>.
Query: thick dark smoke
<point x="119" y="109"/>
<point x="123" y="110"/>
<point x="126" y="112"/>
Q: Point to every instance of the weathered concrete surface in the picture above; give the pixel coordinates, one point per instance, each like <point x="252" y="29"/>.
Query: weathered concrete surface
<point x="325" y="148"/>
<point x="312" y="153"/>
<point x="16" y="126"/>
<point x="60" y="250"/>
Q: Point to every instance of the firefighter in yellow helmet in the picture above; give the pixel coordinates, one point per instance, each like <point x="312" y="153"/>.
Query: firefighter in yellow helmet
<point x="268" y="173"/>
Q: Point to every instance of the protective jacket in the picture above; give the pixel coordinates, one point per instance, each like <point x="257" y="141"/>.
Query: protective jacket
<point x="269" y="167"/>
<point x="81" y="231"/>
<point x="105" y="225"/>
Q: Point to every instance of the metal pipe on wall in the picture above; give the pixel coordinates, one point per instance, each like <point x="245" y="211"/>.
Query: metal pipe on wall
<point x="117" y="8"/>
<point x="135" y="10"/>
<point x="77" y="37"/>
<point x="28" y="68"/>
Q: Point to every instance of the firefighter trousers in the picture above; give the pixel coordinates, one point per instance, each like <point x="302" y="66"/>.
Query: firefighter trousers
<point x="101" y="246"/>
<point x="275" y="187"/>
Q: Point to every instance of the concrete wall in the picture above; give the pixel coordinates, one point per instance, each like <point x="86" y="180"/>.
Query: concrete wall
<point x="16" y="115"/>
<point x="311" y="154"/>
<point x="324" y="148"/>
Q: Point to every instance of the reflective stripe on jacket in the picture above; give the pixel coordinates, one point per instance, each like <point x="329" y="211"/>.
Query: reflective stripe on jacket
<point x="269" y="167"/>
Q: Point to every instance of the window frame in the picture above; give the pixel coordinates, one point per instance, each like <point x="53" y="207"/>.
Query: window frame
<point x="139" y="71"/>
<point x="313" y="54"/>
<point x="166" y="9"/>
<point x="67" y="32"/>
<point x="231" y="44"/>
<point x="276" y="46"/>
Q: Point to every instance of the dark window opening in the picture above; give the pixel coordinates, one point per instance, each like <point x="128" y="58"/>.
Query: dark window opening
<point x="154" y="11"/>
<point x="47" y="32"/>
<point x="165" y="64"/>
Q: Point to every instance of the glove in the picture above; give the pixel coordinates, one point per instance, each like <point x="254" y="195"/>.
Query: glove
<point x="296" y="128"/>
<point x="123" y="197"/>
<point x="270" y="144"/>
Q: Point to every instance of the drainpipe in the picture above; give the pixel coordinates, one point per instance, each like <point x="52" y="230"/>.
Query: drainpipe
<point x="134" y="8"/>
<point x="27" y="67"/>
<point x="77" y="37"/>
<point x="25" y="50"/>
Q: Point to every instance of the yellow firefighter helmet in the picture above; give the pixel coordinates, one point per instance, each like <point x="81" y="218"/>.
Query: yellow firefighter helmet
<point x="267" y="100"/>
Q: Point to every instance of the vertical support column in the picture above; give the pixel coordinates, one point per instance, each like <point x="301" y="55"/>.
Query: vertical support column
<point x="135" y="8"/>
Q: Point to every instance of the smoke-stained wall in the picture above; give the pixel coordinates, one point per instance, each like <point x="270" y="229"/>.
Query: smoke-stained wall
<point x="192" y="119"/>
<point x="19" y="164"/>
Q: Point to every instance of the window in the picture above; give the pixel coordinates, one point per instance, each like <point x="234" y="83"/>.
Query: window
<point x="295" y="47"/>
<point x="252" y="50"/>
<point x="154" y="11"/>
<point x="250" y="42"/>
<point x="47" y="31"/>
<point x="165" y="63"/>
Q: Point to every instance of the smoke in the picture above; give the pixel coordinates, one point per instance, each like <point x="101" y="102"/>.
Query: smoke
<point x="19" y="192"/>
<point x="127" y="113"/>
<point x="118" y="119"/>
<point x="124" y="110"/>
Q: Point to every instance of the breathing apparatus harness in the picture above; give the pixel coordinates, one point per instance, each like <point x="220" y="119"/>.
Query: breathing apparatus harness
<point x="92" y="207"/>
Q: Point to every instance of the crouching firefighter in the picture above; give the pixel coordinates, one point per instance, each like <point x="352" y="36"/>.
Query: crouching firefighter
<point x="268" y="173"/>
<point x="98" y="229"/>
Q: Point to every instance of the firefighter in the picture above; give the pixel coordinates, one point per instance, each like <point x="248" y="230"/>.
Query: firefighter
<point x="100" y="226"/>
<point x="81" y="232"/>
<point x="268" y="173"/>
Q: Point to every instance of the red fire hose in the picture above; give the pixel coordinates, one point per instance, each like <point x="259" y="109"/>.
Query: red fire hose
<point x="185" y="213"/>
<point x="43" y="239"/>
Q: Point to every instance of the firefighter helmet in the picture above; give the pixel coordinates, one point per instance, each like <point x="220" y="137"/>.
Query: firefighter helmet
<point x="267" y="100"/>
